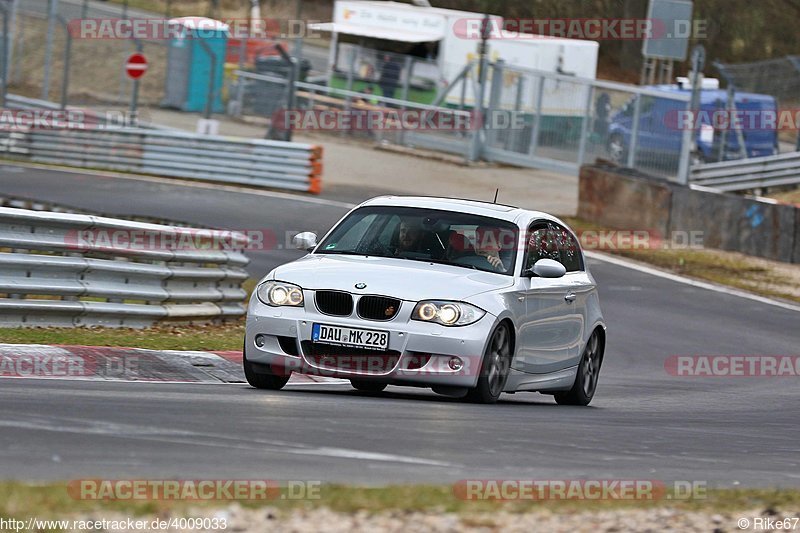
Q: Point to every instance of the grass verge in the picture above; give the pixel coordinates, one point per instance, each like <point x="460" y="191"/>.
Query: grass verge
<point x="790" y="197"/>
<point x="22" y="500"/>
<point x="174" y="337"/>
<point x="759" y="276"/>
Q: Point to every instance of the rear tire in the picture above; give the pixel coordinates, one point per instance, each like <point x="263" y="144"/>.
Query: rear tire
<point x="585" y="385"/>
<point x="262" y="379"/>
<point x="367" y="386"/>
<point x="494" y="369"/>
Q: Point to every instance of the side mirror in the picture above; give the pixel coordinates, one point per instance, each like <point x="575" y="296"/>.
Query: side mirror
<point x="305" y="241"/>
<point x="547" y="268"/>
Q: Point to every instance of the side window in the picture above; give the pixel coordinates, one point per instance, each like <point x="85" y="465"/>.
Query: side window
<point x="542" y="244"/>
<point x="569" y="249"/>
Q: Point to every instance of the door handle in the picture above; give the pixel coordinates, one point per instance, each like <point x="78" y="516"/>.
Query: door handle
<point x="570" y="297"/>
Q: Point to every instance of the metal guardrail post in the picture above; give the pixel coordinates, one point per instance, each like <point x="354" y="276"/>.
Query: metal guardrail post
<point x="67" y="58"/>
<point x="6" y="56"/>
<point x="537" y="117"/>
<point x="723" y="142"/>
<point x="351" y="68"/>
<point x="52" y="10"/>
<point x="687" y="146"/>
<point x="689" y="135"/>
<point x="476" y="143"/>
<point x="238" y="104"/>
<point x="634" y="144"/>
<point x="585" y="125"/>
<point x="488" y="121"/>
<point x="408" y="66"/>
<point x="291" y="98"/>
<point x="513" y="133"/>
<point x="242" y="52"/>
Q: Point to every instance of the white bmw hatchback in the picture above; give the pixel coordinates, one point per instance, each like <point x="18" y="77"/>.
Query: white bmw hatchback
<point x="471" y="299"/>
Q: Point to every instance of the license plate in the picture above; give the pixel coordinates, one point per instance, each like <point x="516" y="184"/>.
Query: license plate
<point x="339" y="336"/>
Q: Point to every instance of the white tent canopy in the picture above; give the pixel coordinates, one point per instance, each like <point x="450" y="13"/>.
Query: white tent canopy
<point x="378" y="33"/>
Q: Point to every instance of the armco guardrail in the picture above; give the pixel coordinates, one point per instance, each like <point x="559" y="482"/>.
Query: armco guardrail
<point x="60" y="269"/>
<point x="260" y="163"/>
<point x="746" y="174"/>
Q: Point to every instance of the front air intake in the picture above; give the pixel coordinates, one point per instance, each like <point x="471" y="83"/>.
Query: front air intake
<point x="378" y="307"/>
<point x="334" y="303"/>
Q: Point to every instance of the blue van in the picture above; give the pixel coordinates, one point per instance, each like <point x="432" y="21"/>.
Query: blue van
<point x="660" y="132"/>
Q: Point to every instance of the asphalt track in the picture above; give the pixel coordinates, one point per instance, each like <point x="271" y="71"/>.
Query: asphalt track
<point x="643" y="424"/>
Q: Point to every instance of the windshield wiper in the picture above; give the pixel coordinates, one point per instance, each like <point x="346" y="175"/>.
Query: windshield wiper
<point x="443" y="262"/>
<point x="342" y="252"/>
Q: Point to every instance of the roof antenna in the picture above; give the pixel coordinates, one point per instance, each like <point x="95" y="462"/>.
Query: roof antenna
<point x="495" y="195"/>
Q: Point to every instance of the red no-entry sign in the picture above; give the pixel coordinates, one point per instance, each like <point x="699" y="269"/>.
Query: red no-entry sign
<point x="136" y="66"/>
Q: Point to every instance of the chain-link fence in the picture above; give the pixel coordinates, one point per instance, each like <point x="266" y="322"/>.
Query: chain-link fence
<point x="562" y="122"/>
<point x="94" y="68"/>
<point x="779" y="78"/>
<point x="531" y="118"/>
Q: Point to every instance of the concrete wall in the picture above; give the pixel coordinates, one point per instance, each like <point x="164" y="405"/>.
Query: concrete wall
<point x="625" y="199"/>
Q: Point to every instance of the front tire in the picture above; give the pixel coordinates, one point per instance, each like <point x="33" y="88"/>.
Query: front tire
<point x="585" y="385"/>
<point x="495" y="367"/>
<point x="262" y="379"/>
<point x="367" y="386"/>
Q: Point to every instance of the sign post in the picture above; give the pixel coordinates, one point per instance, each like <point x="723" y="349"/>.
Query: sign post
<point x="672" y="24"/>
<point x="135" y="68"/>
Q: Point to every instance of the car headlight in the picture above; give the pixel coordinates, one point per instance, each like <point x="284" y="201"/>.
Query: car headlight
<point x="280" y="293"/>
<point x="447" y="313"/>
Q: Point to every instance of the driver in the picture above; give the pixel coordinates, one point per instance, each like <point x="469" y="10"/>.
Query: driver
<point x="488" y="245"/>
<point x="409" y="237"/>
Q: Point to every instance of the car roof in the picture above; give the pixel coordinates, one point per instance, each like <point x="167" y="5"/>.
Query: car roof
<point x="461" y="205"/>
<point x="710" y="95"/>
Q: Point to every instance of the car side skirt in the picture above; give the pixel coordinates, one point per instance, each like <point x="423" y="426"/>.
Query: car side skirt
<point x="554" y="381"/>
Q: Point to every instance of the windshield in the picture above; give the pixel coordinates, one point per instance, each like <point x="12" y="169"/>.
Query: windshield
<point x="458" y="239"/>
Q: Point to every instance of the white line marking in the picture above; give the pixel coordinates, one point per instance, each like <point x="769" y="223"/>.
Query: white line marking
<point x="688" y="281"/>
<point x="161" y="434"/>
<point x="345" y="453"/>
<point x="189" y="183"/>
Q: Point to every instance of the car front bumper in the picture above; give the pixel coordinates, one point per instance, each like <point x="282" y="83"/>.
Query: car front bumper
<point x="418" y="353"/>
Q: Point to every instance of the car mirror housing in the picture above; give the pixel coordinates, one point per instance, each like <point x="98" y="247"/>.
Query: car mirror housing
<point x="305" y="241"/>
<point x="547" y="268"/>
